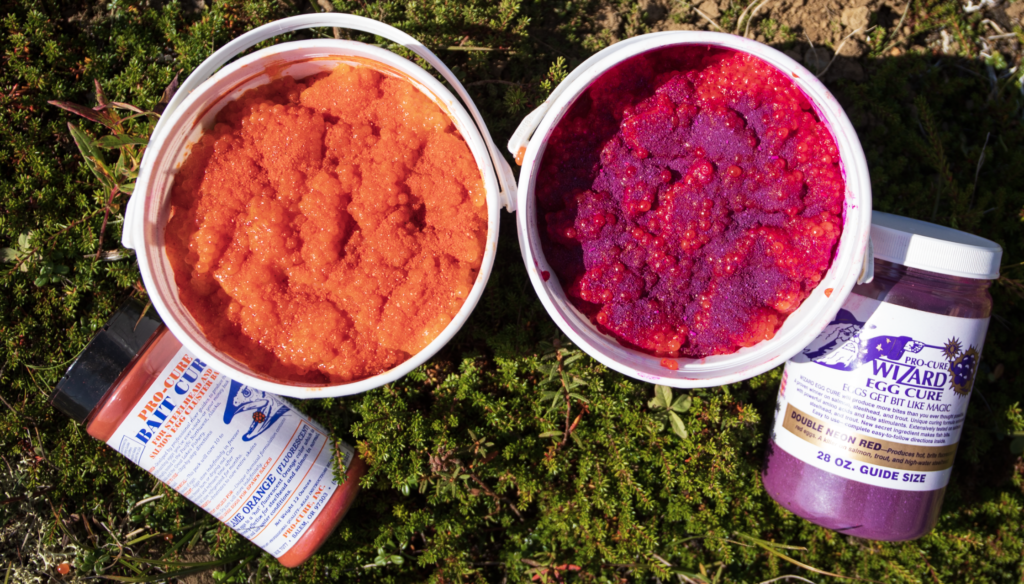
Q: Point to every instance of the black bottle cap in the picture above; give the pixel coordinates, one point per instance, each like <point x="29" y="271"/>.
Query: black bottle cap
<point x="104" y="359"/>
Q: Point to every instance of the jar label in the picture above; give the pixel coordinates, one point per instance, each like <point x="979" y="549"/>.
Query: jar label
<point x="880" y="396"/>
<point x="242" y="454"/>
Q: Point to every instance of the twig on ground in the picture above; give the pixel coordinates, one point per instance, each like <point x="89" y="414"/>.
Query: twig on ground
<point x="662" y="560"/>
<point x="8" y="406"/>
<point x="117" y="542"/>
<point x="788" y="577"/>
<point x="328" y="7"/>
<point x="531" y="563"/>
<point x="149" y="500"/>
<point x="569" y="427"/>
<point x="708" y="18"/>
<point x="840" y="47"/>
<point x="114" y="192"/>
<point x="739" y="21"/>
<point x="36" y="382"/>
<point x="997" y="28"/>
<point x="899" y="27"/>
<point x="753" y="15"/>
<point x="497" y="498"/>
<point x="814" y="52"/>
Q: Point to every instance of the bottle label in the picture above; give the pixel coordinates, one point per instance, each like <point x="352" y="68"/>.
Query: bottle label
<point x="242" y="454"/>
<point x="880" y="396"/>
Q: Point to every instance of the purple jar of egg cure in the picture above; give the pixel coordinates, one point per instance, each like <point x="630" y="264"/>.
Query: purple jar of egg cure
<point x="870" y="414"/>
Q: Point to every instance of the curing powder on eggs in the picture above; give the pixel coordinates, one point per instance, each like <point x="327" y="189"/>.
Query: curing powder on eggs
<point x="691" y="200"/>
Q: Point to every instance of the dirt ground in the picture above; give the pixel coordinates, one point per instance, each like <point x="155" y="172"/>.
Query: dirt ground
<point x="812" y="31"/>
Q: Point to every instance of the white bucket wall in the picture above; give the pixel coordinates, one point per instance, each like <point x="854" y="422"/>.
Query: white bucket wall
<point x="852" y="262"/>
<point x="193" y="110"/>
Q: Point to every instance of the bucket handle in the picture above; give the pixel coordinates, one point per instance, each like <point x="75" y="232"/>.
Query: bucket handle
<point x="867" y="268"/>
<point x="506" y="180"/>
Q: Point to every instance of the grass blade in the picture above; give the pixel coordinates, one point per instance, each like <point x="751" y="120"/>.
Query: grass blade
<point x="93" y="156"/>
<point x="575" y="357"/>
<point x="79" y="110"/>
<point x="143" y="538"/>
<point x="770" y="543"/>
<point x="128" y="106"/>
<point x="117" y="141"/>
<point x="770" y="548"/>
<point x="86" y="145"/>
<point x="160" y="577"/>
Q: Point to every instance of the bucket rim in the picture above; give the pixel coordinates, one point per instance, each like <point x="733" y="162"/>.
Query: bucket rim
<point x="794" y="335"/>
<point x="263" y="59"/>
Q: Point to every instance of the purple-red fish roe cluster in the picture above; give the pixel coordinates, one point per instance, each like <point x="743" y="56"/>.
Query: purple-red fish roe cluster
<point x="689" y="210"/>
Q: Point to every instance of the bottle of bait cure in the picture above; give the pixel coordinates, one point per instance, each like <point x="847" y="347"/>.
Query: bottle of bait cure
<point x="245" y="456"/>
<point x="870" y="414"/>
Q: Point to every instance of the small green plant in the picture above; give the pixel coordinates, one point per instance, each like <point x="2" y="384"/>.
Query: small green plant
<point x="516" y="99"/>
<point x="51" y="270"/>
<point x="122" y="174"/>
<point x="117" y="178"/>
<point x="664" y="407"/>
<point x="388" y="554"/>
<point x="556" y="74"/>
<point x="25" y="256"/>
<point x="568" y="386"/>
<point x="775" y="32"/>
<point x="997" y="61"/>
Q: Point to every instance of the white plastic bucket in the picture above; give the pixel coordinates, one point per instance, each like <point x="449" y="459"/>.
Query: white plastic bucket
<point x="194" y="107"/>
<point x="852" y="261"/>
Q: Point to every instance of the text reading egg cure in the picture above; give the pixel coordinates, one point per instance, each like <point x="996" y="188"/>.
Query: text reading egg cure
<point x="880" y="396"/>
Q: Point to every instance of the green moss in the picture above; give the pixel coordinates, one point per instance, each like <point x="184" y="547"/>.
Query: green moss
<point x="473" y="475"/>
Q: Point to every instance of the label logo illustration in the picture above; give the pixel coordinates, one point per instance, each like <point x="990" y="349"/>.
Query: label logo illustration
<point x="846" y="344"/>
<point x="265" y="411"/>
<point x="962" y="364"/>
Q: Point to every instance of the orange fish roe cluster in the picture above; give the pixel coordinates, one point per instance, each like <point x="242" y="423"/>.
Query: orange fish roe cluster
<point x="326" y="230"/>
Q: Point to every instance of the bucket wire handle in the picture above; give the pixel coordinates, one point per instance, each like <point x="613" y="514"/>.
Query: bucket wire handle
<point x="506" y="180"/>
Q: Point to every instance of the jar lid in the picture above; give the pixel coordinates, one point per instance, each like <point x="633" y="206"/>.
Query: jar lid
<point x="931" y="247"/>
<point x="104" y="359"/>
